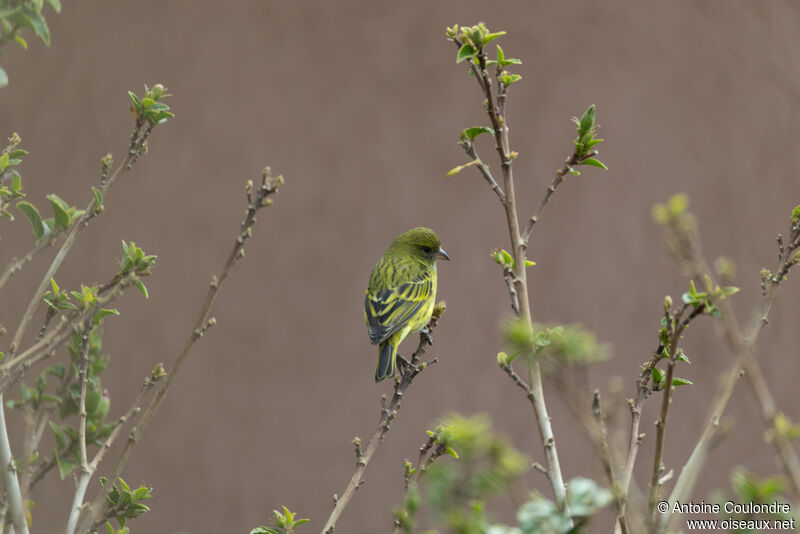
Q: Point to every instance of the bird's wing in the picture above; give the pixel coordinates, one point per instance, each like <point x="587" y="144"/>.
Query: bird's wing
<point x="388" y="310"/>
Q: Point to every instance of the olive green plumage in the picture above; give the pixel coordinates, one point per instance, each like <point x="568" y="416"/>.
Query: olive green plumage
<point x="401" y="293"/>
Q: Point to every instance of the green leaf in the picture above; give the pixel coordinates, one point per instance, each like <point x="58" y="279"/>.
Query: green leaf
<point x="492" y="36"/>
<point x="65" y="466"/>
<point x="475" y="131"/>
<point x="137" y="508"/>
<point x="98" y="318"/>
<point x="98" y="197"/>
<point x="16" y="184"/>
<point x="47" y="397"/>
<point x="682" y="357"/>
<point x="35" y="21"/>
<point x="141" y="287"/>
<point x="509" y="79"/>
<point x="55" y="4"/>
<point x="137" y="104"/>
<point x="126" y="264"/>
<point x="594" y="163"/>
<point x="61" y="439"/>
<point x="60" y="211"/>
<point x="586" y="121"/>
<point x="6" y="12"/>
<point x="465" y="52"/>
<point x="21" y="41"/>
<point x="501" y="57"/>
<point x="681" y="382"/>
<point x="658" y="375"/>
<point x="33" y="216"/>
<point x="141" y="493"/>
<point x="451" y="452"/>
<point x="4" y="161"/>
<point x="456" y="170"/>
<point x="592" y="142"/>
<point x="26" y="392"/>
<point x="729" y="290"/>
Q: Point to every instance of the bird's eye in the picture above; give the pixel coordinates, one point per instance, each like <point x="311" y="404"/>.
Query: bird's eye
<point x="426" y="249"/>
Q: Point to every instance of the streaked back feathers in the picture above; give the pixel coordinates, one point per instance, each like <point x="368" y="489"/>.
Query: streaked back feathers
<point x="401" y="292"/>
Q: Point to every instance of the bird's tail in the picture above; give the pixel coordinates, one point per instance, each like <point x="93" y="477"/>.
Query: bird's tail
<point x="386" y="360"/>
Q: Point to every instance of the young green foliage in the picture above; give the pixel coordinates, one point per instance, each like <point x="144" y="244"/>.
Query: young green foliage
<point x="529" y="341"/>
<point x="58" y="387"/>
<point x="124" y="503"/>
<point x="540" y="515"/>
<point x="405" y="514"/>
<point x="23" y="14"/>
<point x="707" y="300"/>
<point x="586" y="141"/>
<point x="135" y="261"/>
<point x="784" y="427"/>
<point x="10" y="180"/>
<point x="283" y="523"/>
<point x="487" y="465"/>
<point x="64" y="216"/>
<point x="749" y="488"/>
<point x="506" y="261"/>
<point x="149" y="108"/>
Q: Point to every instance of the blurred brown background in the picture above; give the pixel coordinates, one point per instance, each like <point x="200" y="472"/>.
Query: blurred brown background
<point x="359" y="105"/>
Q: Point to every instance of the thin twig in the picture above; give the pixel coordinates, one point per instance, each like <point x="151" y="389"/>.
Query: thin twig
<point x="388" y="413"/>
<point x="157" y="374"/>
<point x="661" y="423"/>
<point x="136" y="148"/>
<point x="600" y="436"/>
<point x="495" y="108"/>
<point x="9" y="468"/>
<point x="469" y="148"/>
<point x="644" y="387"/>
<point x="559" y="177"/>
<point x="44" y="347"/>
<point x="427" y="456"/>
<point x="16" y="265"/>
<point x="3" y="513"/>
<point x="85" y="473"/>
<point x="257" y="198"/>
<point x="743" y="345"/>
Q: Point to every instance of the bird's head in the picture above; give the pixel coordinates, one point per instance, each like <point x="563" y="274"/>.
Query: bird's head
<point x="422" y="244"/>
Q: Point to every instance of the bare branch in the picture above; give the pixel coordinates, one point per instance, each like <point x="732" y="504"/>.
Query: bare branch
<point x="742" y="344"/>
<point x="135" y="149"/>
<point x="388" y="413"/>
<point x="9" y="468"/>
<point x="495" y="108"/>
<point x="85" y="472"/>
<point x="257" y="198"/>
<point x="469" y="148"/>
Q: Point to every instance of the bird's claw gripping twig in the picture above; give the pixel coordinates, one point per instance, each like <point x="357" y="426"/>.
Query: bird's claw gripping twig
<point x="426" y="333"/>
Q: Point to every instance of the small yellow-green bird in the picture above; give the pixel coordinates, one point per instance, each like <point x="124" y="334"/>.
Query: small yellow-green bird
<point x="401" y="293"/>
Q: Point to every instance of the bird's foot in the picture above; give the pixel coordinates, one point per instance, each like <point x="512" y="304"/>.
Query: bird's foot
<point x="426" y="334"/>
<point x="403" y="365"/>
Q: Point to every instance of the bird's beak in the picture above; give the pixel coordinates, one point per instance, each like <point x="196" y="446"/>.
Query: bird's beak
<point x="442" y="255"/>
